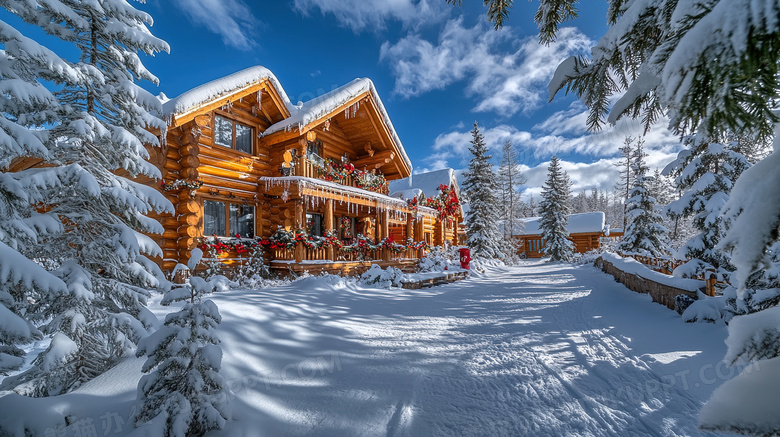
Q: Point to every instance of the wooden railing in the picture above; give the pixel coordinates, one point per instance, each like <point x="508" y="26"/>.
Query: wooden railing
<point x="667" y="266"/>
<point x="663" y="265"/>
<point x="309" y="168"/>
<point x="340" y="255"/>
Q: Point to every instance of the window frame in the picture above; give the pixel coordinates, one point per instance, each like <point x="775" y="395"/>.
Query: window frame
<point x="226" y="204"/>
<point x="233" y="123"/>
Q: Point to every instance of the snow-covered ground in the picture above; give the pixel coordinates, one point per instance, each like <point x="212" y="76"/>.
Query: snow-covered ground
<point x="541" y="349"/>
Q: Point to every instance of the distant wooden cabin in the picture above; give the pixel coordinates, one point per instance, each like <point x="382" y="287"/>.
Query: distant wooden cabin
<point x="422" y="186"/>
<point x="263" y="164"/>
<point x="586" y="230"/>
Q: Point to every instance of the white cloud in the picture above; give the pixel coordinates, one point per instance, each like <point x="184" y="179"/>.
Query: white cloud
<point x="229" y="19"/>
<point x="360" y="15"/>
<point x="563" y="133"/>
<point x="602" y="174"/>
<point x="503" y="82"/>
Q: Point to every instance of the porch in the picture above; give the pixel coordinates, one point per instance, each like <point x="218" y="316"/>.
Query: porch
<point x="324" y="226"/>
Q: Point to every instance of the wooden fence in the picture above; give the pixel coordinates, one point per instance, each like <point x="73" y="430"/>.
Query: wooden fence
<point x="667" y="266"/>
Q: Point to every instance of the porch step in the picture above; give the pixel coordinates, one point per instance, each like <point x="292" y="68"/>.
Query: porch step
<point x="425" y="280"/>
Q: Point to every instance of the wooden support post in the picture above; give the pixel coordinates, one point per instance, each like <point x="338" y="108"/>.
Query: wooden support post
<point x="300" y="223"/>
<point x="711" y="279"/>
<point x="419" y="234"/>
<point x="329" y="226"/>
<point x="300" y="214"/>
<point x="385" y="233"/>
<point x="409" y="228"/>
<point x="385" y="224"/>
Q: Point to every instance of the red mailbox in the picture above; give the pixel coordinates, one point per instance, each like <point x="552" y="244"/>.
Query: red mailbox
<point x="465" y="257"/>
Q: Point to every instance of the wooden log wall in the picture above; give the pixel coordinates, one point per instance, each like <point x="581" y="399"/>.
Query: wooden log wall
<point x="228" y="175"/>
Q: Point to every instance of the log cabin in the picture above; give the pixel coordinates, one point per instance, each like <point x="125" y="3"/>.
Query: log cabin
<point x="241" y="164"/>
<point x="426" y="188"/>
<point x="586" y="231"/>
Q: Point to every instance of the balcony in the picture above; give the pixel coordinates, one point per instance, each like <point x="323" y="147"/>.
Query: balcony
<point x="314" y="166"/>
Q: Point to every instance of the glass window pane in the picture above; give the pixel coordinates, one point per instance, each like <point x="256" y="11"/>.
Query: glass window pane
<point x="243" y="138"/>
<point x="223" y="132"/>
<point x="214" y="219"/>
<point x="242" y="220"/>
<point x="314" y="224"/>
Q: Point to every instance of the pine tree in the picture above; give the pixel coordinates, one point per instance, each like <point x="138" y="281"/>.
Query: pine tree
<point x="661" y="188"/>
<point x="510" y="179"/>
<point x="184" y="359"/>
<point x="699" y="83"/>
<point x="530" y="209"/>
<point x="705" y="172"/>
<point x="28" y="109"/>
<point x="580" y="203"/>
<point x="554" y="210"/>
<point x="103" y="123"/>
<point x="480" y="187"/>
<point x="626" y="176"/>
<point x="645" y="234"/>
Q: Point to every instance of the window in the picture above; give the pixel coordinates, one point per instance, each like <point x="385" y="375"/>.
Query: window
<point x="228" y="133"/>
<point x="314" y="224"/>
<point x="228" y="219"/>
<point x="314" y="148"/>
<point x="242" y="220"/>
<point x="214" y="218"/>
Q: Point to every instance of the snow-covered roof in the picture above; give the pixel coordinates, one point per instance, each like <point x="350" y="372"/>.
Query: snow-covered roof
<point x="200" y="95"/>
<point x="325" y="104"/>
<point x="578" y="224"/>
<point x="428" y="183"/>
<point x="409" y="193"/>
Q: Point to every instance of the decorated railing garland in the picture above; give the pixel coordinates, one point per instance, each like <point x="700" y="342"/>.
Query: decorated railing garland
<point x="224" y="245"/>
<point x="181" y="183"/>
<point x="284" y="239"/>
<point x="332" y="170"/>
<point x="446" y="203"/>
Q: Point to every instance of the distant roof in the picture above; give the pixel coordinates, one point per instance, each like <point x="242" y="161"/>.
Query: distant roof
<point x="410" y="193"/>
<point x="325" y="104"/>
<point x="428" y="182"/>
<point x="578" y="223"/>
<point x="227" y="85"/>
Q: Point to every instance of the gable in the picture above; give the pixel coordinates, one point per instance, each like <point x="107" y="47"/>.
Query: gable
<point x="356" y="113"/>
<point x="257" y="85"/>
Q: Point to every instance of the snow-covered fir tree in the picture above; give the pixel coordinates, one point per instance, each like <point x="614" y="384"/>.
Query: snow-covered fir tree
<point x="705" y="172"/>
<point x="102" y="125"/>
<point x="699" y="83"/>
<point x="510" y="180"/>
<point x="554" y="210"/>
<point x="645" y="233"/>
<point x="625" y="166"/>
<point x="27" y="109"/>
<point x="661" y="188"/>
<point x="529" y="208"/>
<point x="479" y="185"/>
<point x="184" y="388"/>
<point x="580" y="203"/>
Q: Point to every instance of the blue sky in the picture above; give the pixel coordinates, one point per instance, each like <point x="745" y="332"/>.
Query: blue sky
<point x="438" y="68"/>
